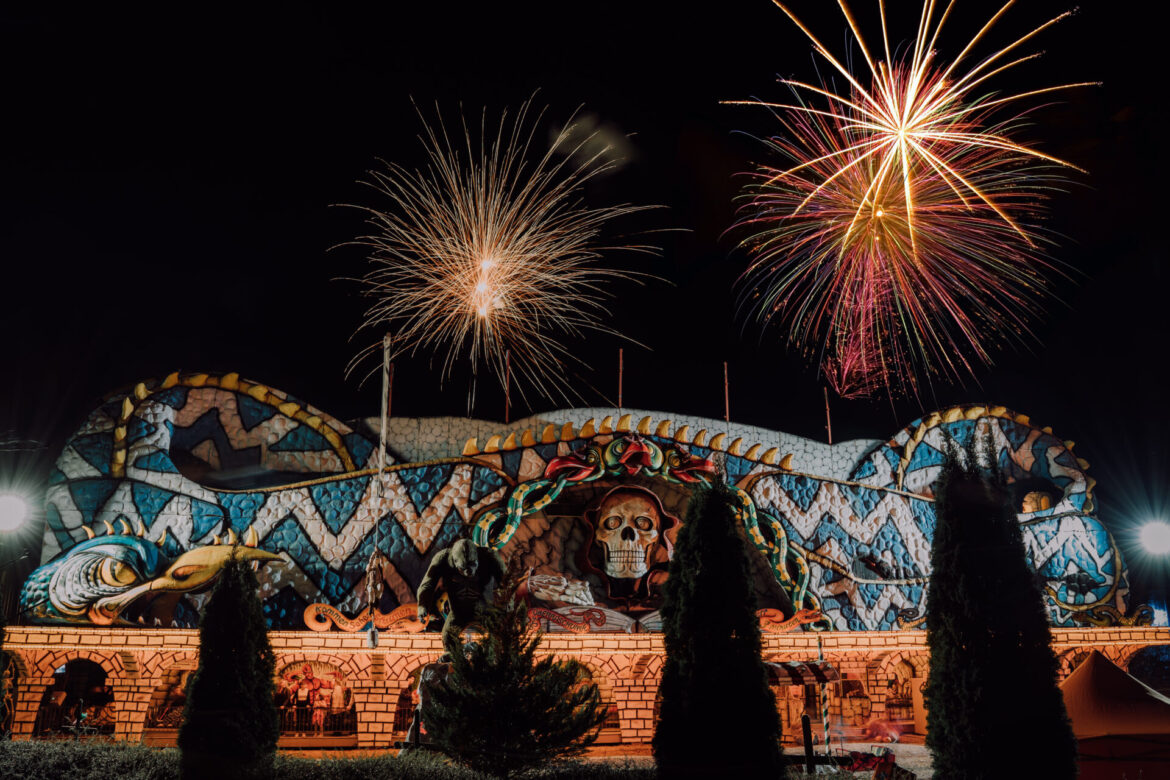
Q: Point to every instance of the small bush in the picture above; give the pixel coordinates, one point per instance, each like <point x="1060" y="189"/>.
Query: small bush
<point x="104" y="760"/>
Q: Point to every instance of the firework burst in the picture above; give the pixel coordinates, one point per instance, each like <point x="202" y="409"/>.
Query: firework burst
<point x="901" y="241"/>
<point x="483" y="253"/>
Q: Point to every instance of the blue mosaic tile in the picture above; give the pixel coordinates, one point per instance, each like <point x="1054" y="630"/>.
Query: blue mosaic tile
<point x="97" y="449"/>
<point x="302" y="439"/>
<point x="149" y="500"/>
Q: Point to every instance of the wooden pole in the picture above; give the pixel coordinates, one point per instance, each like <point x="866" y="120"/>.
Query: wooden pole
<point x="824" y="696"/>
<point x="810" y="763"/>
<point x="828" y="419"/>
<point x="380" y="489"/>
<point x="387" y="383"/>
<point x="726" y="396"/>
<point x="621" y="370"/>
<point x="507" y="385"/>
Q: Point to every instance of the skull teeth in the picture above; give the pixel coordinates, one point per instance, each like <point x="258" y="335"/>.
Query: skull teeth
<point x="627" y="556"/>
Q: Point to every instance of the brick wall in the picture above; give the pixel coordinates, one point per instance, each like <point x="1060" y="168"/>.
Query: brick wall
<point x="627" y="667"/>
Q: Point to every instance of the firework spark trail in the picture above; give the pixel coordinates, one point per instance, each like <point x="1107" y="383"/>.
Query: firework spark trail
<point x="482" y="251"/>
<point x="901" y="239"/>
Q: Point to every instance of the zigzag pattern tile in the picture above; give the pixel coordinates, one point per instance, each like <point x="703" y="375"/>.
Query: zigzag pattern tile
<point x="326" y="531"/>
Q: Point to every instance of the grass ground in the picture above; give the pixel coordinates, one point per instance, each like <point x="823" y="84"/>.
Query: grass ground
<point x="43" y="760"/>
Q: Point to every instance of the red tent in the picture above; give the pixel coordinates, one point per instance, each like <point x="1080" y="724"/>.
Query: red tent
<point x="1122" y="726"/>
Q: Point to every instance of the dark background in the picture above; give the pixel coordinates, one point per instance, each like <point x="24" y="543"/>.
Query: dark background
<point x="168" y="172"/>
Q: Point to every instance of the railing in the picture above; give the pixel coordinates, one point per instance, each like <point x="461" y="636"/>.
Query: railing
<point x="57" y="722"/>
<point x="317" y="721"/>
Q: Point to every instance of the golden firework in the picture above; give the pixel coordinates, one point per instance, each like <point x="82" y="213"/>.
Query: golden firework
<point x="489" y="250"/>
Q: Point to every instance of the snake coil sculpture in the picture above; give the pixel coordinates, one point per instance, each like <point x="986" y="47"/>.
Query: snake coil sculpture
<point x="194" y="457"/>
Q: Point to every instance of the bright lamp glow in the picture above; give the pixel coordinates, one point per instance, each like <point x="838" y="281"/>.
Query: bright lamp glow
<point x="1155" y="536"/>
<point x="13" y="511"/>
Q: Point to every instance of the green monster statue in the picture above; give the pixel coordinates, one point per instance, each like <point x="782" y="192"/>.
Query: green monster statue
<point x="467" y="572"/>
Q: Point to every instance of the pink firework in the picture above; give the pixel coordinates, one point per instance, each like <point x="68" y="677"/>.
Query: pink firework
<point x="900" y="241"/>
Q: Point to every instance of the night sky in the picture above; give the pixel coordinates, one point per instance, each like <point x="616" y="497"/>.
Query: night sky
<point x="169" y="172"/>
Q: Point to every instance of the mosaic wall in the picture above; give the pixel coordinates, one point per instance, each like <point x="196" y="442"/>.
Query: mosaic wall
<point x="151" y="493"/>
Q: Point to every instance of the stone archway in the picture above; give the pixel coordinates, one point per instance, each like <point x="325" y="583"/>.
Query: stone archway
<point x="10" y="673"/>
<point x="896" y="690"/>
<point x="79" y="702"/>
<point x="611" y="729"/>
<point x="316" y="704"/>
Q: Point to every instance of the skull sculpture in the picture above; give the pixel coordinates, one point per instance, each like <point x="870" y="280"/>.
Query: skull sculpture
<point x="628" y="523"/>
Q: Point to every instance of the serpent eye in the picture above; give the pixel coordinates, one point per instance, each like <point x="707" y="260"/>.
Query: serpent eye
<point x="114" y="572"/>
<point x="183" y="572"/>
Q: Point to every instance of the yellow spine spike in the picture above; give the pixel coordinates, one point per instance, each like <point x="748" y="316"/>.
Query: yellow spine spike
<point x="717" y="441"/>
<point x="1023" y="419"/>
<point x="953" y="415"/>
<point x="663" y="428"/>
<point x="119" y="458"/>
<point x="196" y="380"/>
<point x="771" y="457"/>
<point x="140" y="391"/>
<point x="89" y="534"/>
<point x="109" y="528"/>
<point x="682" y="435"/>
<point x="1084" y="464"/>
<point x="1069" y="444"/>
<point x="700" y="439"/>
<point x="623" y="424"/>
<point x="753" y="452"/>
<point x="251" y="538"/>
<point x="127" y="408"/>
<point x="567" y="433"/>
<point x="289" y="408"/>
<point x="589" y="429"/>
<point x="120" y="434"/>
<point x="606" y="424"/>
<point x="527" y="439"/>
<point x="471" y="447"/>
<point x="1047" y="429"/>
<point x="171" y="380"/>
<point x="124" y="527"/>
<point x="975" y="412"/>
<point x="997" y="411"/>
<point x="313" y="421"/>
<point x="231" y="536"/>
<point x="736" y="447"/>
<point x="510" y="442"/>
<point x="259" y="392"/>
<point x="162" y="539"/>
<point x="230" y="381"/>
<point x="214" y="539"/>
<point x="643" y="426"/>
<point x="786" y="462"/>
<point x="141" y="530"/>
<point x="493" y="444"/>
<point x="549" y="434"/>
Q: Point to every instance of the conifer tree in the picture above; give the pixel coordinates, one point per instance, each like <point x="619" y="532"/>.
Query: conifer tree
<point x="230" y="722"/>
<point x="501" y="710"/>
<point x="718" y="716"/>
<point x="994" y="708"/>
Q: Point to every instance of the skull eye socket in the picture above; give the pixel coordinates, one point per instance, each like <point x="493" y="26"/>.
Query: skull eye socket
<point x="611" y="522"/>
<point x="644" y="523"/>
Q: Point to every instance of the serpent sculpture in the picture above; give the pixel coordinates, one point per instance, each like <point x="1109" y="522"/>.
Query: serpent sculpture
<point x="196" y="461"/>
